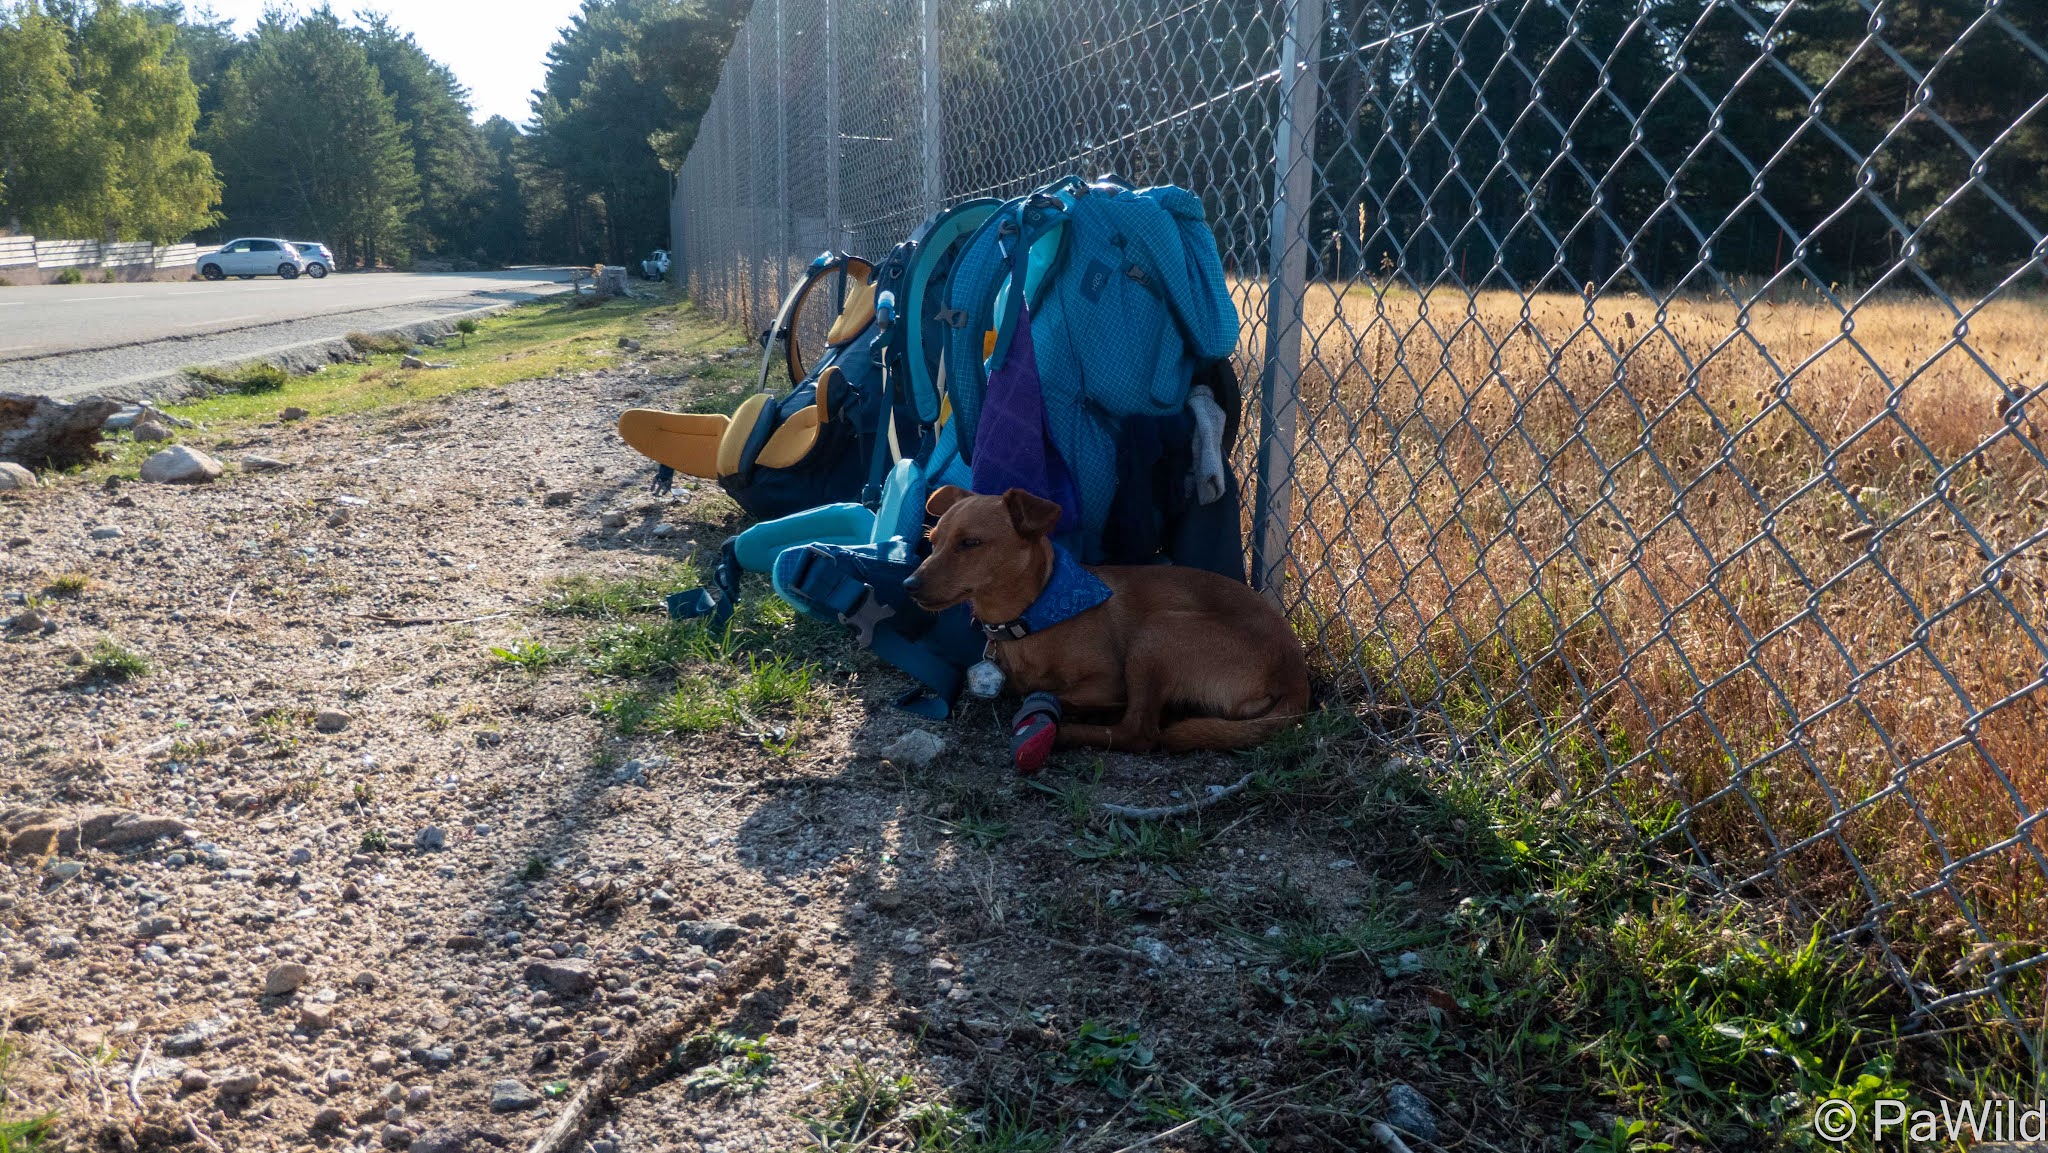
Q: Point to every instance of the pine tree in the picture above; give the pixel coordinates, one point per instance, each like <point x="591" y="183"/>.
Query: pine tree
<point x="309" y="142"/>
<point x="448" y="150"/>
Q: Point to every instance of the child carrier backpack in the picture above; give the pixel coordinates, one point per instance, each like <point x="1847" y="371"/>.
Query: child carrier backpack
<point x="910" y="451"/>
<point x="808" y="446"/>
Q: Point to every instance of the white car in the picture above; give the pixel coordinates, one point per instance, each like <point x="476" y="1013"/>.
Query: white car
<point x="656" y="268"/>
<point x="252" y="257"/>
<point x="319" y="261"/>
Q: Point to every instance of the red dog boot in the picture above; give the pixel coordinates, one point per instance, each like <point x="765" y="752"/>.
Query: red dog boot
<point x="1033" y="732"/>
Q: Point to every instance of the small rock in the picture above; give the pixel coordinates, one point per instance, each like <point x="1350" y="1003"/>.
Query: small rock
<point x="660" y="900"/>
<point x="285" y="979"/>
<point x="293" y="413"/>
<point x="27" y="622"/>
<point x="336" y="1080"/>
<point x="465" y="943"/>
<point x="592" y="1060"/>
<point x="630" y="773"/>
<point x="558" y="499"/>
<point x="442" y="1139"/>
<point x="568" y="978"/>
<point x="327" y="1120"/>
<point x="14" y="476"/>
<point x="107" y="532"/>
<point x="351" y="892"/>
<point x="152" y="927"/>
<point x="382" y="1061"/>
<point x="430" y="839"/>
<point x="149" y="431"/>
<point x="254" y="463"/>
<point x="194" y="1081"/>
<point x="611" y="519"/>
<point x="238" y="1082"/>
<point x="195" y="1037"/>
<point x="59" y="947"/>
<point x="710" y="936"/>
<point x="509" y="1096"/>
<point x="315" y="1017"/>
<point x="180" y="464"/>
<point x="330" y="720"/>
<point x="888" y="902"/>
<point x="1155" y="951"/>
<point x="395" y="1136"/>
<point x="629" y="344"/>
<point x="300" y="856"/>
<point x="418" y="1096"/>
<point x="411" y="361"/>
<point x="365" y="980"/>
<point x="916" y="749"/>
<point x="1410" y="1111"/>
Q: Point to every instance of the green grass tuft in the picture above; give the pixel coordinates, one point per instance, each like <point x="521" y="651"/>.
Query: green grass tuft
<point x="529" y="656"/>
<point x="110" y="660"/>
<point x="242" y="380"/>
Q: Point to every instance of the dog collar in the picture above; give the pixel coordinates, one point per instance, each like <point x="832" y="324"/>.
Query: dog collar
<point x="1073" y="590"/>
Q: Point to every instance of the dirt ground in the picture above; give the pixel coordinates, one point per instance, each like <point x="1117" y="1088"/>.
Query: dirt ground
<point x="426" y="878"/>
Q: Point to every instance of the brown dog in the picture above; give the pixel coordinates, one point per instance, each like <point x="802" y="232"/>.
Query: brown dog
<point x="1190" y="659"/>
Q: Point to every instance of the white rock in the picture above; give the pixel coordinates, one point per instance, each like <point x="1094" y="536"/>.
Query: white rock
<point x="180" y="464"/>
<point x="14" y="476"/>
<point x="916" y="749"/>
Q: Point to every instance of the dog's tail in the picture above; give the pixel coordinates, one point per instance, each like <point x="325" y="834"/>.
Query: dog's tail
<point x="1196" y="733"/>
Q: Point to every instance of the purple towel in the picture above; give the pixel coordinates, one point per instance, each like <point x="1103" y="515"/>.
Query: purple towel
<point x="1012" y="447"/>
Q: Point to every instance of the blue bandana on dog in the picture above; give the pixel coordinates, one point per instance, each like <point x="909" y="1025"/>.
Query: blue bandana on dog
<point x="1073" y="590"/>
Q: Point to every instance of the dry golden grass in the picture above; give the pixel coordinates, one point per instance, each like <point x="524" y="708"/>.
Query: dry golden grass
<point x="1636" y="549"/>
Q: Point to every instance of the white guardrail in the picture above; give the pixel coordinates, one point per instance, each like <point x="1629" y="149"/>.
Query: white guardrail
<point x="35" y="252"/>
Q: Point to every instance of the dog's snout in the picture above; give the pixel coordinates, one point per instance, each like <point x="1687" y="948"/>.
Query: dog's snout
<point x="914" y="583"/>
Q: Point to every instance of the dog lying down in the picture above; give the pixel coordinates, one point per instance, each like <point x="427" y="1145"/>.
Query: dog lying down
<point x="1142" y="657"/>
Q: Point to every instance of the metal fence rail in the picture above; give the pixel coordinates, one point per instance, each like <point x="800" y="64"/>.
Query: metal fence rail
<point x="1647" y="392"/>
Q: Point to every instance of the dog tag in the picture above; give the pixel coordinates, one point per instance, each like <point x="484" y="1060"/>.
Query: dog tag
<point x="985" y="680"/>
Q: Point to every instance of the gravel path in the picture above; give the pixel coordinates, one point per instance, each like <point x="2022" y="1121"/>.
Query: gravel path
<point x="422" y="894"/>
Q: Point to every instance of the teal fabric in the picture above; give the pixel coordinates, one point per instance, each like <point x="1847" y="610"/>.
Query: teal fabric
<point x="1134" y="298"/>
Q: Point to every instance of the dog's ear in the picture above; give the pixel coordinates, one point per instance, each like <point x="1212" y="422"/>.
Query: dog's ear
<point x="1032" y="516"/>
<point x="945" y="498"/>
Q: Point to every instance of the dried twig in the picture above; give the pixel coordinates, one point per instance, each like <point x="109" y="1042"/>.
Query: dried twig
<point x="1117" y="951"/>
<point x="201" y="1135"/>
<point x="653" y="1044"/>
<point x="1216" y="794"/>
<point x="389" y="621"/>
<point x="1385" y="1135"/>
<point x="135" y="1077"/>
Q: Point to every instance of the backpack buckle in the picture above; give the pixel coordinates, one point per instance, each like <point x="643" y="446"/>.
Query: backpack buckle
<point x="951" y="317"/>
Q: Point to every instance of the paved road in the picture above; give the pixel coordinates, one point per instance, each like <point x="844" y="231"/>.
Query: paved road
<point x="70" y="339"/>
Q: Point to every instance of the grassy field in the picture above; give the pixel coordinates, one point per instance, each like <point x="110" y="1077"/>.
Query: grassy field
<point x="1771" y="581"/>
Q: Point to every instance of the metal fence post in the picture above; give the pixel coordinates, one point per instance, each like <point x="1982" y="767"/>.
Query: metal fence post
<point x="1287" y="270"/>
<point x="781" y="157"/>
<point x="934" y="125"/>
<point x="834" y="226"/>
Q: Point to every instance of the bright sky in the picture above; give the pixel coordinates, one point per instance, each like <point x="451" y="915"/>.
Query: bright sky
<point x="496" y="47"/>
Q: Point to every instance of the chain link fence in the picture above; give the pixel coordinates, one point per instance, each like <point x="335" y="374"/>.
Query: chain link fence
<point x="1646" y="393"/>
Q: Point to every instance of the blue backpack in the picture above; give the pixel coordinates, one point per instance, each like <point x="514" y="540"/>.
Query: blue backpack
<point x="1127" y="298"/>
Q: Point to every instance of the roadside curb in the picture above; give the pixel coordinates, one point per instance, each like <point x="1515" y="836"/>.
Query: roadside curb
<point x="304" y="356"/>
